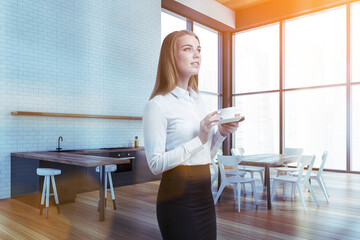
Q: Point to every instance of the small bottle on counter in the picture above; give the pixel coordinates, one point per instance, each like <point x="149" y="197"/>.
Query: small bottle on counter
<point x="136" y="142"/>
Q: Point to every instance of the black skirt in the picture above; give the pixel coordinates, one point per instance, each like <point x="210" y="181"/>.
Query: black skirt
<point x="185" y="206"/>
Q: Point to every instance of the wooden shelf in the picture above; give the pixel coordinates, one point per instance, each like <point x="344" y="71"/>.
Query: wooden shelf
<point x="45" y="114"/>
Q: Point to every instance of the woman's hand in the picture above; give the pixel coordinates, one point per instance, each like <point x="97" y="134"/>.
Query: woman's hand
<point x="228" y="128"/>
<point x="206" y="124"/>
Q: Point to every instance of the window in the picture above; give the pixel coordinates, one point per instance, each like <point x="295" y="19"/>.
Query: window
<point x="315" y="49"/>
<point x="314" y="106"/>
<point x="315" y="55"/>
<point x="256" y="68"/>
<point x="256" y="59"/>
<point x="209" y="71"/>
<point x="259" y="133"/>
<point x="355" y="129"/>
<point x="355" y="89"/>
<point x="315" y="120"/>
<point x="171" y="22"/>
<point x="355" y="42"/>
<point x="208" y="76"/>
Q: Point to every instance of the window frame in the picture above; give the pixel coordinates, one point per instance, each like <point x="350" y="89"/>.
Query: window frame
<point x="348" y="84"/>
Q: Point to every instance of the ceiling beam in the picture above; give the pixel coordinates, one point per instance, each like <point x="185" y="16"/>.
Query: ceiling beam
<point x="194" y="15"/>
<point x="277" y="10"/>
<point x="241" y="4"/>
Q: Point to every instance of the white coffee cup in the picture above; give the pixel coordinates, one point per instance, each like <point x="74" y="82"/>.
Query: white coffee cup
<point x="229" y="112"/>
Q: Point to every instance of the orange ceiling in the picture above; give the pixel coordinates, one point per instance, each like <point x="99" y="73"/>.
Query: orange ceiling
<point x="241" y="4"/>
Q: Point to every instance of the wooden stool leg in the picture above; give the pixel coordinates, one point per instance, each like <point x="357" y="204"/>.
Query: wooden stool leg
<point x="55" y="193"/>
<point x="47" y="194"/>
<point x="112" y="190"/>
<point x="43" y="196"/>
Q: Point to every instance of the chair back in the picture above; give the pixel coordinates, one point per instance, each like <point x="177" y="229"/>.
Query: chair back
<point x="293" y="151"/>
<point x="323" y="160"/>
<point x="216" y="157"/>
<point x="306" y="161"/>
<point x="237" y="151"/>
<point x="229" y="161"/>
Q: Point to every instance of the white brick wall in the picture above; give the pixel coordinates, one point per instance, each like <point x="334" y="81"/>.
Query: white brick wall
<point x="74" y="56"/>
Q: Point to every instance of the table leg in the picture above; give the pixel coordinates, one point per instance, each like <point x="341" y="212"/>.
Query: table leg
<point x="267" y="181"/>
<point x="102" y="194"/>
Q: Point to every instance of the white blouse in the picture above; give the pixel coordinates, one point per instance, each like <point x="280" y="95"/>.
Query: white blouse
<point x="171" y="131"/>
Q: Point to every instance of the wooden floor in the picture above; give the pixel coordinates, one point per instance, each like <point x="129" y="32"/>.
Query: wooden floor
<point x="135" y="217"/>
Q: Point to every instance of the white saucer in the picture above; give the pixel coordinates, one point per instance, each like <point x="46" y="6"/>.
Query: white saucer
<point x="229" y="120"/>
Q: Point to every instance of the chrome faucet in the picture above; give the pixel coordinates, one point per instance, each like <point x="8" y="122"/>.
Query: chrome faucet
<point x="59" y="148"/>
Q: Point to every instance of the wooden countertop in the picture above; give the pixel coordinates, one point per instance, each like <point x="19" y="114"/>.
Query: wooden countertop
<point x="102" y="150"/>
<point x="79" y="158"/>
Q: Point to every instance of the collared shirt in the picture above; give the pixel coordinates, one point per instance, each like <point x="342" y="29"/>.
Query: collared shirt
<point x="171" y="131"/>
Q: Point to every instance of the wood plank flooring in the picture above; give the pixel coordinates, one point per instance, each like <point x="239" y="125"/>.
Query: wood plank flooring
<point x="135" y="217"/>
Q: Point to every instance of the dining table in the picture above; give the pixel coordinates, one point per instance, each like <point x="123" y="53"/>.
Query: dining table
<point x="267" y="160"/>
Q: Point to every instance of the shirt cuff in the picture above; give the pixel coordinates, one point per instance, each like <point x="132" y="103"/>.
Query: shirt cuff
<point x="219" y="137"/>
<point x="193" y="145"/>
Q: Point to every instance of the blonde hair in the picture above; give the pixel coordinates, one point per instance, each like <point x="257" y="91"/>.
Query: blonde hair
<point x="167" y="72"/>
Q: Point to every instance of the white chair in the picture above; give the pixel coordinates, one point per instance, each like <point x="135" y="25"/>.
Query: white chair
<point x="298" y="181"/>
<point x="228" y="172"/>
<point x="251" y="170"/>
<point x="286" y="169"/>
<point x="318" y="176"/>
<point x="108" y="170"/>
<point x="47" y="173"/>
<point x="236" y="180"/>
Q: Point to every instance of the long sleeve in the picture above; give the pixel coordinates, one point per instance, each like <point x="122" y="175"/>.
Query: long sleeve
<point x="216" y="142"/>
<point x="155" y="134"/>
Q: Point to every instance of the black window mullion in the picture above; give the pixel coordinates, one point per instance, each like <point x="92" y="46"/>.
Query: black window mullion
<point x="220" y="69"/>
<point x="189" y="24"/>
<point x="281" y="85"/>
<point x="348" y="89"/>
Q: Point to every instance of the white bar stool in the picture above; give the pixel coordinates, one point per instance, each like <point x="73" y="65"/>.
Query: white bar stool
<point x="47" y="173"/>
<point x="108" y="170"/>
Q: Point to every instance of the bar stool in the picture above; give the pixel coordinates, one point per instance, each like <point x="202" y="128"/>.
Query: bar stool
<point x="47" y="173"/>
<point x="108" y="170"/>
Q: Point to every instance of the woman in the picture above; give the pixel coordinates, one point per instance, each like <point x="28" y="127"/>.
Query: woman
<point x="180" y="140"/>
